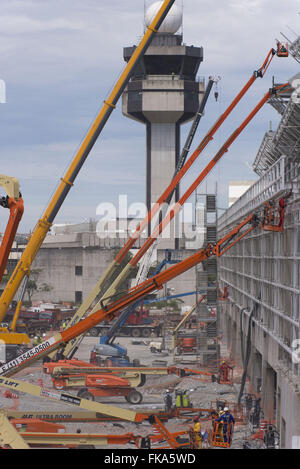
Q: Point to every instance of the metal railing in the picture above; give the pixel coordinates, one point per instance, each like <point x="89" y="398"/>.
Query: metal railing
<point x="270" y="185"/>
<point x="285" y="141"/>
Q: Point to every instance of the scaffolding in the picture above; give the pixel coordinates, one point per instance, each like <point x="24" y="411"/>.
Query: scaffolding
<point x="207" y="281"/>
<point x="294" y="47"/>
<point x="286" y="139"/>
<point x="280" y="101"/>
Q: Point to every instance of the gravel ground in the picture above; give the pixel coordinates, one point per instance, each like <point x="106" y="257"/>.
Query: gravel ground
<point x="202" y="394"/>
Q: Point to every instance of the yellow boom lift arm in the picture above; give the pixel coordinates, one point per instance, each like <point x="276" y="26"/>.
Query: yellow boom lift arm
<point x="44" y="224"/>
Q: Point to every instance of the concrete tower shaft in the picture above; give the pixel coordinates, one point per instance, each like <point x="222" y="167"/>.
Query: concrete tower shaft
<point x="163" y="94"/>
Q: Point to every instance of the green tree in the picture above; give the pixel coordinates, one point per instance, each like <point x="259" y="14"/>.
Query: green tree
<point x="33" y="286"/>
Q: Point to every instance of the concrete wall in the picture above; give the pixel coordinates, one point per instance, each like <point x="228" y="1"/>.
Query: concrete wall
<point x="61" y="254"/>
<point x="58" y="271"/>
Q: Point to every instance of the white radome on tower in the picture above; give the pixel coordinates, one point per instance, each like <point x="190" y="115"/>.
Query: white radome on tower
<point x="172" y="22"/>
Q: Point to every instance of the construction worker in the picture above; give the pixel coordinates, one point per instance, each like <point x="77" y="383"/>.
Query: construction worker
<point x="168" y="400"/>
<point x="220" y="425"/>
<point x="36" y="340"/>
<point x="281" y="211"/>
<point x="224" y="371"/>
<point x="281" y="49"/>
<point x="227" y="421"/>
<point x="197" y="432"/>
<point x="146" y="443"/>
<point x="205" y="442"/>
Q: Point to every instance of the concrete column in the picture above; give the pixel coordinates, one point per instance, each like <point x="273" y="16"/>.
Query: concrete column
<point x="255" y="368"/>
<point x="229" y="333"/>
<point x="268" y="390"/>
<point x="237" y="340"/>
<point x="234" y="339"/>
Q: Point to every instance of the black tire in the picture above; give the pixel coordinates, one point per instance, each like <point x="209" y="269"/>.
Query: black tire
<point x="146" y="332"/>
<point x="81" y="391"/>
<point x="152" y="349"/>
<point x="136" y="332"/>
<point x="87" y="395"/>
<point x="94" y="332"/>
<point x="134" y="397"/>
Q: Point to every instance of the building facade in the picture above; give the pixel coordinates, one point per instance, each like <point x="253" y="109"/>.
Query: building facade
<point x="262" y="273"/>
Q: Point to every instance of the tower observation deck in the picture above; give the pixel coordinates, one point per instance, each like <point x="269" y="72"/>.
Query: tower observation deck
<point x="163" y="94"/>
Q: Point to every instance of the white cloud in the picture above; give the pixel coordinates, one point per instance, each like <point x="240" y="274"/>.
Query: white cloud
<point x="59" y="60"/>
<point x="19" y="25"/>
<point x="252" y="7"/>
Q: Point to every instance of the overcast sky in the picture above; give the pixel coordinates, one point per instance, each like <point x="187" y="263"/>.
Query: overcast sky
<point x="60" y="59"/>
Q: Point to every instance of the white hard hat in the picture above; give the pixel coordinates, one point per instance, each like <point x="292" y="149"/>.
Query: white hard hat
<point x="226" y="409"/>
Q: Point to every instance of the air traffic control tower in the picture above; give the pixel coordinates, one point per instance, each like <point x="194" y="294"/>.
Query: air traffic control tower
<point x="163" y="94"/>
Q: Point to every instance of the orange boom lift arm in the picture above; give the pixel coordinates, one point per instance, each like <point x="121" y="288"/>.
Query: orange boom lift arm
<point x="156" y="282"/>
<point x="180" y="172"/>
<point x="110" y="310"/>
<point x="14" y="202"/>
<point x="104" y="285"/>
<point x="177" y="207"/>
<point x="201" y="147"/>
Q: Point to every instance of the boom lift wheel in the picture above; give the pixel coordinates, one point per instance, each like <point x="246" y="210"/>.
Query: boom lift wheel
<point x="87" y="395"/>
<point x="81" y="391"/>
<point x="134" y="397"/>
<point x="136" y="332"/>
<point x="135" y="362"/>
<point x="94" y="332"/>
